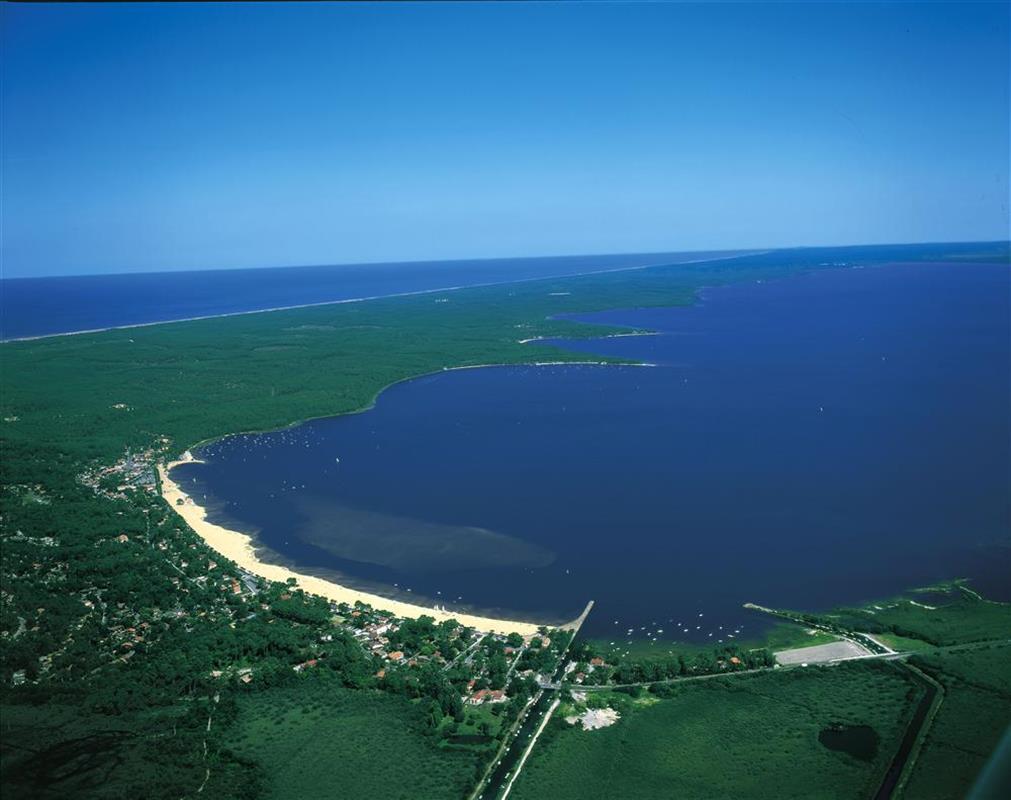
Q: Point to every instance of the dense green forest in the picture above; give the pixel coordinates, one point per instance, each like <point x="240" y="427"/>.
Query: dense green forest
<point x="132" y="656"/>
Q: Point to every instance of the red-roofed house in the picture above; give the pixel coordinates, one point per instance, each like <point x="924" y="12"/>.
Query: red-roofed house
<point x="486" y="696"/>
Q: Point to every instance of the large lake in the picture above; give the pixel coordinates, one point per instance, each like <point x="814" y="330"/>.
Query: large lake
<point x="822" y="439"/>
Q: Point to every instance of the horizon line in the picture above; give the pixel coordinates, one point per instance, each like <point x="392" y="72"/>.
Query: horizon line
<point x="764" y="249"/>
<point x="414" y="293"/>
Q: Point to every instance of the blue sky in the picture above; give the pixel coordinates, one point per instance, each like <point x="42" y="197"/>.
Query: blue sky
<point x="149" y="137"/>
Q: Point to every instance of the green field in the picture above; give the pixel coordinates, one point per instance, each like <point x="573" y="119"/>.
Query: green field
<point x="787" y="636"/>
<point x="323" y="741"/>
<point x="750" y="736"/>
<point x="902" y="643"/>
<point x="957" y="616"/>
<point x="974" y="714"/>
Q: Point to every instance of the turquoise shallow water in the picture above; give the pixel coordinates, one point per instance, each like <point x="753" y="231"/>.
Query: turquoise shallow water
<point x="822" y="439"/>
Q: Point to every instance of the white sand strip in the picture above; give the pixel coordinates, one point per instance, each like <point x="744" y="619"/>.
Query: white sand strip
<point x="238" y="547"/>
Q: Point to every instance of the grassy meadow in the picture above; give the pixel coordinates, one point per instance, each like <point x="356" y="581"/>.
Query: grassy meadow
<point x="787" y="636"/>
<point x="974" y="714"/>
<point x="326" y="741"/>
<point x="750" y="736"/>
<point x="954" y="615"/>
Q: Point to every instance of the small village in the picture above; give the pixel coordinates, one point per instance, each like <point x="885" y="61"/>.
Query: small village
<point x="485" y="669"/>
<point x="135" y="470"/>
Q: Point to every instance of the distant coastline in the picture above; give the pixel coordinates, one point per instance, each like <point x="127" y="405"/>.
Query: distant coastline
<point x="239" y="548"/>
<point x="367" y="298"/>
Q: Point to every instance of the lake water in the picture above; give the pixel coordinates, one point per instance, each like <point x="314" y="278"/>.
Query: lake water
<point x="44" y="306"/>
<point x="829" y="438"/>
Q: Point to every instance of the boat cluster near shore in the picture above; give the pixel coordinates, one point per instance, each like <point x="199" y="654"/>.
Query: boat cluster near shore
<point x="239" y="548"/>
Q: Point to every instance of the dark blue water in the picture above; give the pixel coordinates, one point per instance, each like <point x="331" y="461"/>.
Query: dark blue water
<point x="43" y="306"/>
<point x="823" y="439"/>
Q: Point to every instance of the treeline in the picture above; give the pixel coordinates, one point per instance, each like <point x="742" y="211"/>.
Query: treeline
<point x="728" y="658"/>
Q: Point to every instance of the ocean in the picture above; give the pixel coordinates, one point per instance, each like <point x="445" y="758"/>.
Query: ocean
<point x="822" y="439"/>
<point x="44" y="306"/>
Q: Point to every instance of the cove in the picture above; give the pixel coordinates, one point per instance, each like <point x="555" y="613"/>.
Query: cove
<point x="823" y="439"/>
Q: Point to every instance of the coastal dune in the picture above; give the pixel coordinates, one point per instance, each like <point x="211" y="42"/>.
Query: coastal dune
<point x="238" y="547"/>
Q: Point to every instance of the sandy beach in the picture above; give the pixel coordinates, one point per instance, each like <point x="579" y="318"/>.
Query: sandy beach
<point x="238" y="547"/>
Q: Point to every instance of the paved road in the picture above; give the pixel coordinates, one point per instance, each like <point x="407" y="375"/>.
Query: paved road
<point x="530" y="747"/>
<point x="499" y="780"/>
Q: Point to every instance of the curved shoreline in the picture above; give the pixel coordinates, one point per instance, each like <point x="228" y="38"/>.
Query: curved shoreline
<point x="238" y="547"/>
<point x="372" y="403"/>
